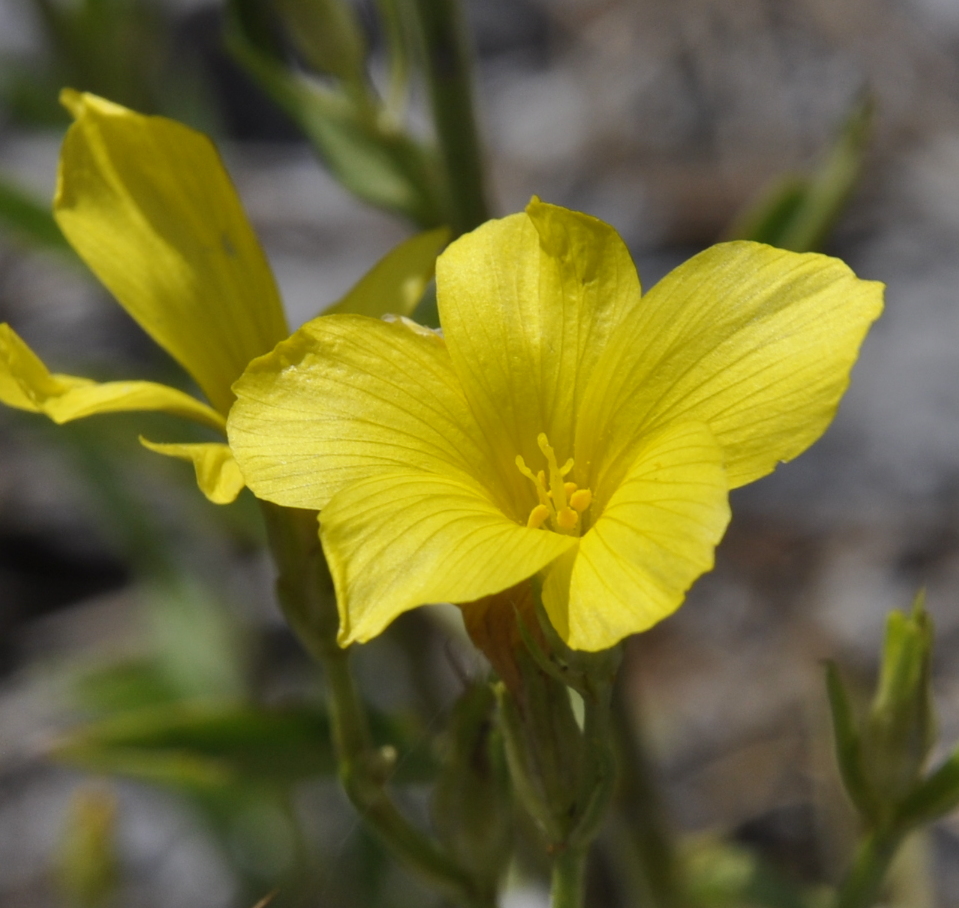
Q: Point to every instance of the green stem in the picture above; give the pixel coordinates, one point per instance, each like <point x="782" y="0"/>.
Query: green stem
<point x="448" y="70"/>
<point x="863" y="883"/>
<point x="305" y="591"/>
<point x="652" y="853"/>
<point x="568" y="885"/>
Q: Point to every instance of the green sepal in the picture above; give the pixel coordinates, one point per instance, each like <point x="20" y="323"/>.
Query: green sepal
<point x="848" y="745"/>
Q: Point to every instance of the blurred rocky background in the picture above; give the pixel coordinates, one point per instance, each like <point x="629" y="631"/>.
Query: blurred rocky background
<point x="666" y="118"/>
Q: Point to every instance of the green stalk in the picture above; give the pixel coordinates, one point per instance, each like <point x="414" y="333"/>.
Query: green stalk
<point x="305" y="591"/>
<point x="863" y="883"/>
<point x="448" y="71"/>
<point x="568" y="884"/>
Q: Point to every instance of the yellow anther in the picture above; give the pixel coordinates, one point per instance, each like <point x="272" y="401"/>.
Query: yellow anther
<point x="537" y="517"/>
<point x="580" y="499"/>
<point x="560" y="502"/>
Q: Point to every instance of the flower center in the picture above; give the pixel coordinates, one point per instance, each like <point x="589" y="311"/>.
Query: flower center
<point x="560" y="502"/>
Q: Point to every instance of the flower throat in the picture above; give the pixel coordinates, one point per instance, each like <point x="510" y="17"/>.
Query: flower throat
<point x="560" y="502"/>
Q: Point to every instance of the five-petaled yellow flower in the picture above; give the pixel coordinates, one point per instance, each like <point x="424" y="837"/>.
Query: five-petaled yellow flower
<point x="147" y="204"/>
<point x="561" y="426"/>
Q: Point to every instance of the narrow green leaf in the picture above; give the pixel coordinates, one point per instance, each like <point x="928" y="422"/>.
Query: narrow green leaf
<point x="205" y="745"/>
<point x="934" y="797"/>
<point x="798" y="212"/>
<point x="395" y="284"/>
<point x="767" y="219"/>
<point x="849" y="754"/>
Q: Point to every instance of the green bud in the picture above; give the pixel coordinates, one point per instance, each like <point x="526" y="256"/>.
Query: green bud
<point x="327" y="34"/>
<point x="544" y="745"/>
<point x="900" y="729"/>
<point x="472" y="807"/>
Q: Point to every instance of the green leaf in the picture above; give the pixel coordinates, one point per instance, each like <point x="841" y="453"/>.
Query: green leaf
<point x="29" y="219"/>
<point x="127" y="685"/>
<point x="370" y="157"/>
<point x="395" y="284"/>
<point x="797" y="213"/>
<point x="934" y="797"/>
<point x="205" y="746"/>
<point x="849" y="753"/>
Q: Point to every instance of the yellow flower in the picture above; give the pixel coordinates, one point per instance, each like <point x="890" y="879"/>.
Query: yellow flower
<point x="561" y="426"/>
<point x="148" y="205"/>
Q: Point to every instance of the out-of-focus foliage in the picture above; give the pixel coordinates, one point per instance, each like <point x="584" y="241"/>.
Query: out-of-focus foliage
<point x="114" y="48"/>
<point x="798" y="211"/>
<point x="88" y="860"/>
<point x="363" y="146"/>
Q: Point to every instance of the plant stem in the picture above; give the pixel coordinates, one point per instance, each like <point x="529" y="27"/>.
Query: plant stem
<point x="642" y="811"/>
<point x="305" y="591"/>
<point x="568" y="885"/>
<point x="448" y="71"/>
<point x="863" y="883"/>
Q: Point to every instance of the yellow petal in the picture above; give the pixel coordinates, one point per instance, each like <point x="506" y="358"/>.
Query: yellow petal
<point x="395" y="284"/>
<point x="656" y="535"/>
<point x="147" y="204"/>
<point x="756" y="342"/>
<point x="26" y="383"/>
<point x="527" y="304"/>
<point x="347" y="397"/>
<point x="403" y="539"/>
<point x="217" y="473"/>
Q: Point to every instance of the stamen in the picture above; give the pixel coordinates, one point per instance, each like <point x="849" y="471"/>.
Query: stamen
<point x="538" y="516"/>
<point x="559" y="502"/>
<point x="557" y="487"/>
<point x="580" y="499"/>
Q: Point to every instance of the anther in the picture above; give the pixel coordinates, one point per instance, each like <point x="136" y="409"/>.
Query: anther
<point x="570" y="488"/>
<point x="580" y="499"/>
<point x="567" y="518"/>
<point x="537" y="517"/>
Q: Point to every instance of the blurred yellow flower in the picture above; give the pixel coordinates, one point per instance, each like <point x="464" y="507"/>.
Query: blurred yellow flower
<point x="560" y="426"/>
<point x="147" y="204"/>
